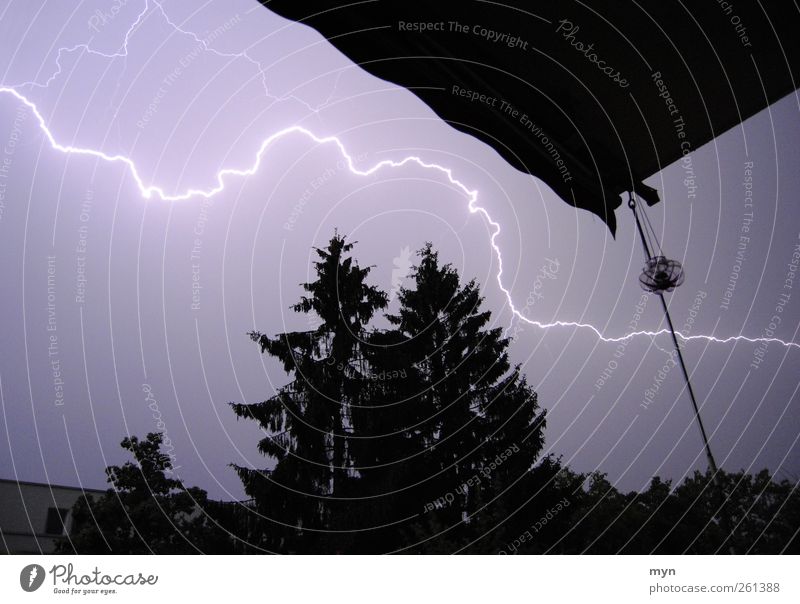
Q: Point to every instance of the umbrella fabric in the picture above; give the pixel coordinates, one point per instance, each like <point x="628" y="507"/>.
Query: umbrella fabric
<point x="590" y="97"/>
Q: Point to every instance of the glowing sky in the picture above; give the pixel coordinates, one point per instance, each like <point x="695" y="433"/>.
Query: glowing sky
<point x="149" y="300"/>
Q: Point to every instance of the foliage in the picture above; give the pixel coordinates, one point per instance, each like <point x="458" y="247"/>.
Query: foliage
<point x="144" y="511"/>
<point x="384" y="436"/>
<point x="419" y="438"/>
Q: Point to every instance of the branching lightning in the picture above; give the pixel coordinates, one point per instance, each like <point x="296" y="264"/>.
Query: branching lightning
<point x="149" y="191"/>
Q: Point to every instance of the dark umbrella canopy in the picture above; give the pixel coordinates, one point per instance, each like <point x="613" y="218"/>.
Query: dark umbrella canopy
<point x="592" y="97"/>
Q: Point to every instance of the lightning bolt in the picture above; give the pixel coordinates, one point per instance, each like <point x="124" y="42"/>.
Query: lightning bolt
<point x="151" y="191"/>
<point x="33" y="575"/>
<point x="240" y="55"/>
<point x="122" y="53"/>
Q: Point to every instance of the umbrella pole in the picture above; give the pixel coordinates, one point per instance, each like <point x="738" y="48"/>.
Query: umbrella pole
<point x="711" y="463"/>
<point x="722" y="514"/>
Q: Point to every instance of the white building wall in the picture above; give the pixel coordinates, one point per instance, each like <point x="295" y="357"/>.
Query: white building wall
<point x="23" y="514"/>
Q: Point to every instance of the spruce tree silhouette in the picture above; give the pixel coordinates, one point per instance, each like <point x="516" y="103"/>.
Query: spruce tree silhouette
<point x="389" y="440"/>
<point x="482" y="421"/>
<point x="307" y="422"/>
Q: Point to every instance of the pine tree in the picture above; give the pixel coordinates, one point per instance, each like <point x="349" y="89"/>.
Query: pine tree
<point x="308" y="422"/>
<point x="482" y="427"/>
<point x="419" y="437"/>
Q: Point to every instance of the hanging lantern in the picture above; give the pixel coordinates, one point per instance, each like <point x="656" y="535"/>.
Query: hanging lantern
<point x="660" y="274"/>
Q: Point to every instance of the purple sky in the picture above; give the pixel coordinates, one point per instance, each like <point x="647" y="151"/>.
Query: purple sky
<point x="131" y="339"/>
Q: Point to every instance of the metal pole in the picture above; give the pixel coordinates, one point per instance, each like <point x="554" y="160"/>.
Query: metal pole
<point x="724" y="519"/>
<point x="711" y="463"/>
